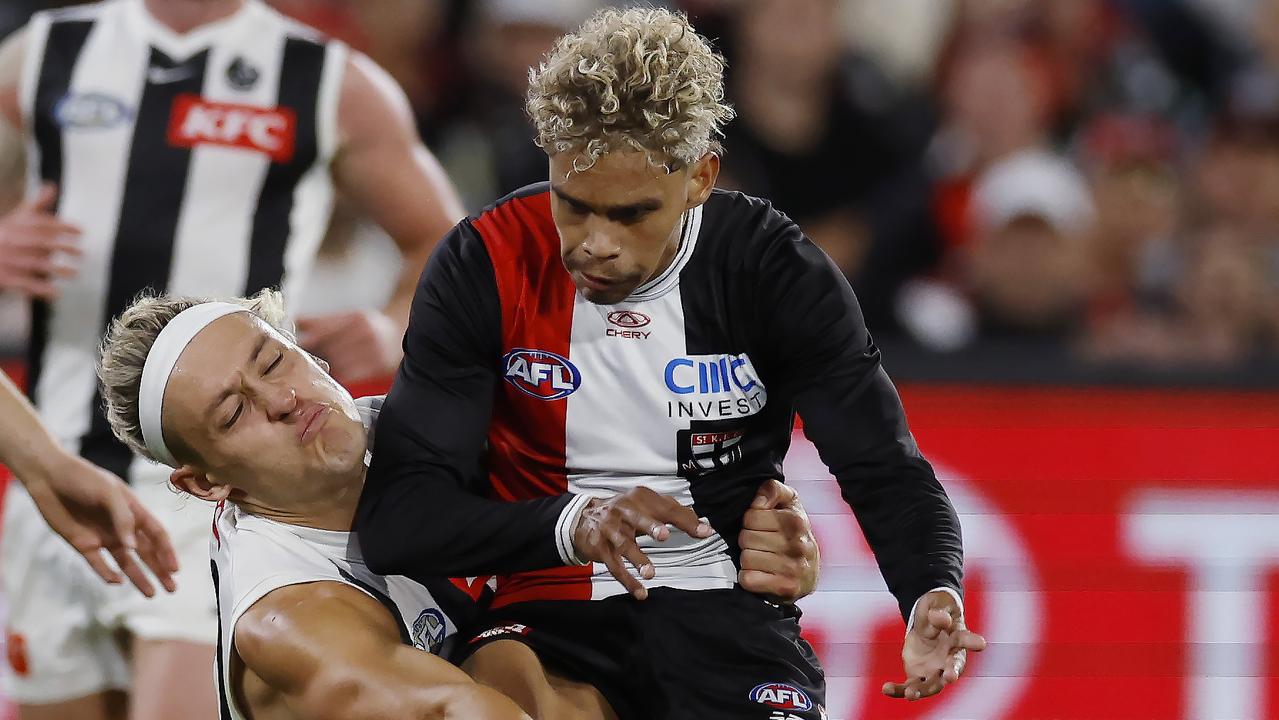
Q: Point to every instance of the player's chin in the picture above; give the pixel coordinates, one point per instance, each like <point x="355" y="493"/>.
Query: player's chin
<point x="611" y="296"/>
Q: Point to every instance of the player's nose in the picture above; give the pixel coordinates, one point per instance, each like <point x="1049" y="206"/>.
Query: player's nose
<point x="601" y="244"/>
<point x="279" y="401"/>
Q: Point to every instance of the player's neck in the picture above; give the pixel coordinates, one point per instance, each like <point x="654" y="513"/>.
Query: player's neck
<point x="183" y="16"/>
<point x="330" y="509"/>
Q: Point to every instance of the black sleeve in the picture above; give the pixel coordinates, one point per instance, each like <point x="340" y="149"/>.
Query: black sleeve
<point x="416" y="516"/>
<point x="852" y="413"/>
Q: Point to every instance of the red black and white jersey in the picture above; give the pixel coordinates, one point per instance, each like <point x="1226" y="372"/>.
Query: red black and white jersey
<point x="689" y="387"/>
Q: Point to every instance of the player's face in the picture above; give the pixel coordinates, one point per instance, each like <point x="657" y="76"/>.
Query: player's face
<point x="260" y="414"/>
<point x="619" y="220"/>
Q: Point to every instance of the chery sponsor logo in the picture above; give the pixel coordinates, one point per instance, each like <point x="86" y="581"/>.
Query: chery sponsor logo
<point x="544" y="375"/>
<point x="628" y="323"/>
<point x="195" y="121"/>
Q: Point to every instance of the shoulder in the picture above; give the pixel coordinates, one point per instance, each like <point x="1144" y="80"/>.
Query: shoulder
<point x="518" y="228"/>
<point x="255" y="560"/>
<point x="743" y="231"/>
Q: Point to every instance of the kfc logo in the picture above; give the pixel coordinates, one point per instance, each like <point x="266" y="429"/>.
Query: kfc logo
<point x="270" y="131"/>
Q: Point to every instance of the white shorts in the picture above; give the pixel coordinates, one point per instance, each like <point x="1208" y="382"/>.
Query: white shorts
<point x="63" y="624"/>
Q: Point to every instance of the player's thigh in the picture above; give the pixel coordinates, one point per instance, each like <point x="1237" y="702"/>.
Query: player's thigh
<point x="172" y="679"/>
<point x="58" y="649"/>
<point x="174" y="635"/>
<point x="111" y="705"/>
<point x="728" y="655"/>
<point x="513" y="669"/>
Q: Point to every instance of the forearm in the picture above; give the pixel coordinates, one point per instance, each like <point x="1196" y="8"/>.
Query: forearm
<point x="423" y="527"/>
<point x="25" y="445"/>
<point x="401" y="300"/>
<point x="411" y="701"/>
<point x="909" y="523"/>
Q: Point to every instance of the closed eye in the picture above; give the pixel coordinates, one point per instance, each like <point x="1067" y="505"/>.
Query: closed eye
<point x="628" y="216"/>
<point x="239" y="410"/>
<point x="575" y="207"/>
<point x="274" y="364"/>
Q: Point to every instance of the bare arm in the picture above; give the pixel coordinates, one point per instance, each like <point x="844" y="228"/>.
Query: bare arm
<point x="389" y="175"/>
<point x="88" y="506"/>
<point x="331" y="652"/>
<point x="11" y="147"/>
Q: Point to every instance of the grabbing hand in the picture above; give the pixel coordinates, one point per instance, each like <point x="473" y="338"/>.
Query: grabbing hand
<point x="606" y="530"/>
<point x="936" y="648"/>
<point x="34" y="244"/>
<point x="94" y="510"/>
<point x="780" y="559"/>
<point x="358" y="345"/>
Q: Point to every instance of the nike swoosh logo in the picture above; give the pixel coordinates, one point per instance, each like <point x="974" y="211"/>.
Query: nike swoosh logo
<point x="164" y="76"/>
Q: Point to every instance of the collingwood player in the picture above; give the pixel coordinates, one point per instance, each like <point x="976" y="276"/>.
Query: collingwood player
<point x="193" y="146"/>
<point x="627" y="326"/>
<point x="220" y="392"/>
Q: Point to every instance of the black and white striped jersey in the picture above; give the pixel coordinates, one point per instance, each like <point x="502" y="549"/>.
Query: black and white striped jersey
<point x="251" y="556"/>
<point x="195" y="164"/>
<point x="688" y="387"/>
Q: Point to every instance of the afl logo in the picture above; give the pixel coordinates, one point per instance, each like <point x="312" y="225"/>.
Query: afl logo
<point x="544" y="375"/>
<point x="781" y="696"/>
<point x="628" y="319"/>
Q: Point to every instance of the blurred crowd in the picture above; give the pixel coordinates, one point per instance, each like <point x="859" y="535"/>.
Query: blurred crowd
<point x="1102" y="175"/>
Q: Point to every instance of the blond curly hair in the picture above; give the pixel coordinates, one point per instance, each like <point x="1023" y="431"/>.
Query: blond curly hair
<point x="634" y="79"/>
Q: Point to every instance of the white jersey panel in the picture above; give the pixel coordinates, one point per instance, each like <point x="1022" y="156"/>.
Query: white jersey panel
<point x="211" y="246"/>
<point x="649" y="326"/>
<point x="254" y="556"/>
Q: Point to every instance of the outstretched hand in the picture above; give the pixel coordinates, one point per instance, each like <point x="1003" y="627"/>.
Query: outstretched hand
<point x="936" y="648"/>
<point x="94" y="510"/>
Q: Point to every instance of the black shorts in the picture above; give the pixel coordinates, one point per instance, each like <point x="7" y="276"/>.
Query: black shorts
<point x="678" y="654"/>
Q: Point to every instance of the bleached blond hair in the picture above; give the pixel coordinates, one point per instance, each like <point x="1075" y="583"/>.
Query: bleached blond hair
<point x="124" y="350"/>
<point x="634" y="79"/>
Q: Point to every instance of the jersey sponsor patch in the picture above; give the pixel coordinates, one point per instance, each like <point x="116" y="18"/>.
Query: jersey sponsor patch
<point x="782" y="696"/>
<point x="713" y="387"/>
<point x="90" y="111"/>
<point x="429" y="630"/>
<point x="627" y="323"/>
<point x="196" y="121"/>
<point x="541" y="374"/>
<point x="706" y="447"/>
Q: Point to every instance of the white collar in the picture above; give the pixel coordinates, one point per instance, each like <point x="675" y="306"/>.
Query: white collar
<point x="181" y="46"/>
<point x="669" y="278"/>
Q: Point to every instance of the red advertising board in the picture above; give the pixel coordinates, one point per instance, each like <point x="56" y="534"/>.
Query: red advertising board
<point x="1122" y="549"/>
<point x="1121" y="556"/>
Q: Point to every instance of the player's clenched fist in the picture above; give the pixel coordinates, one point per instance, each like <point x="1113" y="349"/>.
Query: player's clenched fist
<point x="606" y="530"/>
<point x="780" y="559"/>
<point x="35" y="247"/>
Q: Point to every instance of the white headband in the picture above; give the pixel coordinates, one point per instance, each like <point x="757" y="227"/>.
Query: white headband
<point x="164" y="354"/>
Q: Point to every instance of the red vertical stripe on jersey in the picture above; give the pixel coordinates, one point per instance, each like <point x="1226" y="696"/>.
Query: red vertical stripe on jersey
<point x="526" y="433"/>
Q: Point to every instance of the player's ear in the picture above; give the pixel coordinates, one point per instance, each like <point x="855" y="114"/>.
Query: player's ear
<point x="195" y="482"/>
<point x="701" y="179"/>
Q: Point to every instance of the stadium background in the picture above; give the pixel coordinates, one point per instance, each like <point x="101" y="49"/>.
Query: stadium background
<point x="1062" y="218"/>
